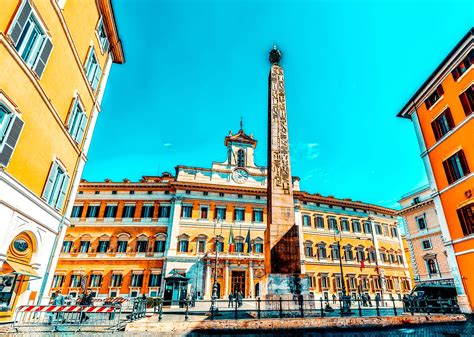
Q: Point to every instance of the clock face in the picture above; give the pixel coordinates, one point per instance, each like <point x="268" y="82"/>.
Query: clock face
<point x="240" y="176"/>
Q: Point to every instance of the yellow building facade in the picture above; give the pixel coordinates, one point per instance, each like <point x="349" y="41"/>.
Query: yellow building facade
<point x="165" y="236"/>
<point x="55" y="58"/>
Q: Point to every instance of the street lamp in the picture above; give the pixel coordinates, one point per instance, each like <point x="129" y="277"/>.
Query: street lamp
<point x="214" y="286"/>
<point x="345" y="309"/>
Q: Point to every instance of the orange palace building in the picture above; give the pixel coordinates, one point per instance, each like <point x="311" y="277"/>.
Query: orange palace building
<point x="159" y="236"/>
<point x="442" y="114"/>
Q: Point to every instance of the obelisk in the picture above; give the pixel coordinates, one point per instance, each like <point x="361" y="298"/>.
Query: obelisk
<point x="282" y="248"/>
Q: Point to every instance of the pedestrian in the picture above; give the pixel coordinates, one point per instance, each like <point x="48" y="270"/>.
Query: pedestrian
<point x="369" y="300"/>
<point x="334" y="298"/>
<point x="86" y="300"/>
<point x="193" y="299"/>
<point x="230" y="304"/>
<point x="239" y="298"/>
<point x="50" y="314"/>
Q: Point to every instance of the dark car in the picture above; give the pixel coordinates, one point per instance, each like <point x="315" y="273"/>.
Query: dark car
<point x="432" y="298"/>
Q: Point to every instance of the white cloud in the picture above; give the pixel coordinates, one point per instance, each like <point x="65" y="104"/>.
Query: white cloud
<point x="309" y="150"/>
<point x="167" y="144"/>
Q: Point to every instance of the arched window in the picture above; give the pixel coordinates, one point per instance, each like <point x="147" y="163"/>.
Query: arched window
<point x="240" y="158"/>
<point x="432" y="265"/>
<point x="218" y="243"/>
<point x="335" y="251"/>
<point x="142" y="243"/>
<point x="258" y="245"/>
<point x="239" y="244"/>
<point x="122" y="242"/>
<point x="349" y="253"/>
<point x="322" y="254"/>
<point x="183" y="243"/>
<point x="308" y="248"/>
<point x="360" y="253"/>
<point x="160" y="243"/>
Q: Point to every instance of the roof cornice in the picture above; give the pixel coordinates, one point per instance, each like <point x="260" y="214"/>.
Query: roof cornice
<point x="110" y="24"/>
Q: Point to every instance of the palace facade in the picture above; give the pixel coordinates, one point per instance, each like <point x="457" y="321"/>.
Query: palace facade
<point x="442" y="114"/>
<point x="55" y="58"/>
<point x="159" y="236"/>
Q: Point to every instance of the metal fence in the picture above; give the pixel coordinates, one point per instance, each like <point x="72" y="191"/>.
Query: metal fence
<point x="298" y="307"/>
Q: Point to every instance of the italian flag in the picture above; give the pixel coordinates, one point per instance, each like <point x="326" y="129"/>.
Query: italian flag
<point x="231" y="241"/>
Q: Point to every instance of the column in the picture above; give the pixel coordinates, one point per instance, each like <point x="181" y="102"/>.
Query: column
<point x="207" y="284"/>
<point x="226" y="279"/>
<point x="173" y="227"/>
<point x="251" y="285"/>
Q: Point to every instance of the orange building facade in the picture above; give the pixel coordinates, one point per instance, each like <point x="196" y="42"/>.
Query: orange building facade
<point x="159" y="236"/>
<point x="441" y="111"/>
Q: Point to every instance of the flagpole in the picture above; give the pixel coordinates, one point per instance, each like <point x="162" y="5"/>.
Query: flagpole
<point x="345" y="308"/>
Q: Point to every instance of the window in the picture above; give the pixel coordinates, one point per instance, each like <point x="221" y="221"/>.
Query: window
<point x="220" y="213"/>
<point x="131" y="192"/>
<point x="349" y="254"/>
<point x="77" y="122"/>
<point x="345" y="225"/>
<point x="188" y="192"/>
<point x="93" y="70"/>
<point x="30" y="40"/>
<point x="56" y="186"/>
<point x="320" y="222"/>
<point x="239" y="245"/>
<point x="116" y="280"/>
<point x="372" y="255"/>
<point x="220" y="246"/>
<point x="442" y="124"/>
<point x="102" y="36"/>
<point x="324" y="281"/>
<point x="416" y="200"/>
<point x="128" y="211"/>
<point x="332" y="224"/>
<point x="432" y="266"/>
<point x="258" y="215"/>
<point x="154" y="280"/>
<point x="103" y="246"/>
<point x="356" y="226"/>
<point x="221" y="194"/>
<point x="92" y="211"/>
<point x="306" y="220"/>
<point x="456" y="167"/>
<point x="147" y="211"/>
<point x="10" y="128"/>
<point x="335" y="252"/>
<point x="378" y="229"/>
<point x="394" y="232"/>
<point x="77" y="211"/>
<point x="204" y="212"/>
<point x="110" y="211"/>
<point x="75" y="281"/>
<point x="400" y="259"/>
<point x="466" y="218"/>
<point x="258" y="246"/>
<point x="322" y="254"/>
<point x="183" y="245"/>
<point x="122" y="246"/>
<point x="58" y="281"/>
<point x="84" y="246"/>
<point x="160" y="246"/>
<point x="421" y="222"/>
<point x="308" y="249"/>
<point x="383" y="256"/>
<point x="142" y="245"/>
<point x="95" y="280"/>
<point x="164" y="211"/>
<point x="187" y="211"/>
<point x="240" y="158"/>
<point x="167" y="192"/>
<point x="367" y="227"/>
<point x="137" y="280"/>
<point x="201" y="246"/>
<point x="462" y="67"/>
<point x="239" y="214"/>
<point x="257" y="197"/>
<point x="240" y="196"/>
<point x="467" y="100"/>
<point x="67" y="246"/>
<point x="360" y="254"/>
<point x="434" y="97"/>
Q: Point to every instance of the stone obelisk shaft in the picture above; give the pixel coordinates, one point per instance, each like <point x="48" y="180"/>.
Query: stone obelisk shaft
<point x="282" y="249"/>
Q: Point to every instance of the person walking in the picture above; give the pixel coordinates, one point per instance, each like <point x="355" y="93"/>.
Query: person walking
<point x="230" y="304"/>
<point x="369" y="300"/>
<point x="239" y="298"/>
<point x="334" y="298"/>
<point x="86" y="300"/>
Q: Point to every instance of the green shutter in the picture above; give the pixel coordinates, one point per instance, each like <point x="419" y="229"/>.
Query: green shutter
<point x="63" y="193"/>
<point x="19" y="24"/>
<point x="50" y="182"/>
<point x="43" y="57"/>
<point x="12" y="136"/>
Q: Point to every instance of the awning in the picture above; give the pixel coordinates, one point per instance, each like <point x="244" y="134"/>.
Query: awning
<point x="23" y="269"/>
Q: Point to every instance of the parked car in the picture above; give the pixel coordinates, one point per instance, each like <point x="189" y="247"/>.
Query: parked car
<point x="432" y="298"/>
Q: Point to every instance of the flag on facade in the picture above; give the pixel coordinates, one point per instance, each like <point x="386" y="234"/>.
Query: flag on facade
<point x="362" y="264"/>
<point x="231" y="241"/>
<point x="248" y="242"/>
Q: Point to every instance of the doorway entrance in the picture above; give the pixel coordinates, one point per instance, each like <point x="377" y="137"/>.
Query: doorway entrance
<point x="238" y="282"/>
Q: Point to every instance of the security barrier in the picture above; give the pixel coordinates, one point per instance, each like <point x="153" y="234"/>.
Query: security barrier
<point x="67" y="317"/>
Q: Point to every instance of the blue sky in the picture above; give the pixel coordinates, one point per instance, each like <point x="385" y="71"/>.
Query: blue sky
<point x="194" y="68"/>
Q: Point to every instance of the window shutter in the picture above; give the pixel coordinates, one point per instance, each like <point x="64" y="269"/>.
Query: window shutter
<point x="106" y="45"/>
<point x="82" y="128"/>
<point x="97" y="75"/>
<point x="463" y="161"/>
<point x="43" y="58"/>
<point x="447" y="171"/>
<point x="19" y="24"/>
<point x="434" y="126"/>
<point x="449" y="118"/>
<point x="62" y="194"/>
<point x="11" y="140"/>
<point x="49" y="183"/>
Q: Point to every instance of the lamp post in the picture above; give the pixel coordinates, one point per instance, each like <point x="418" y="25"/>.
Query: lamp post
<point x="369" y="219"/>
<point x="214" y="285"/>
<point x="345" y="309"/>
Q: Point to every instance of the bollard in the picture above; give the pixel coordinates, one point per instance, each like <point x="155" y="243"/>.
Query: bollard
<point x="322" y="310"/>
<point x="394" y="307"/>
<point x="377" y="306"/>
<point x="281" y="308"/>
<point x="160" y="309"/>
<point x="186" y="313"/>
<point x="360" y="310"/>
<point x="258" y="307"/>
